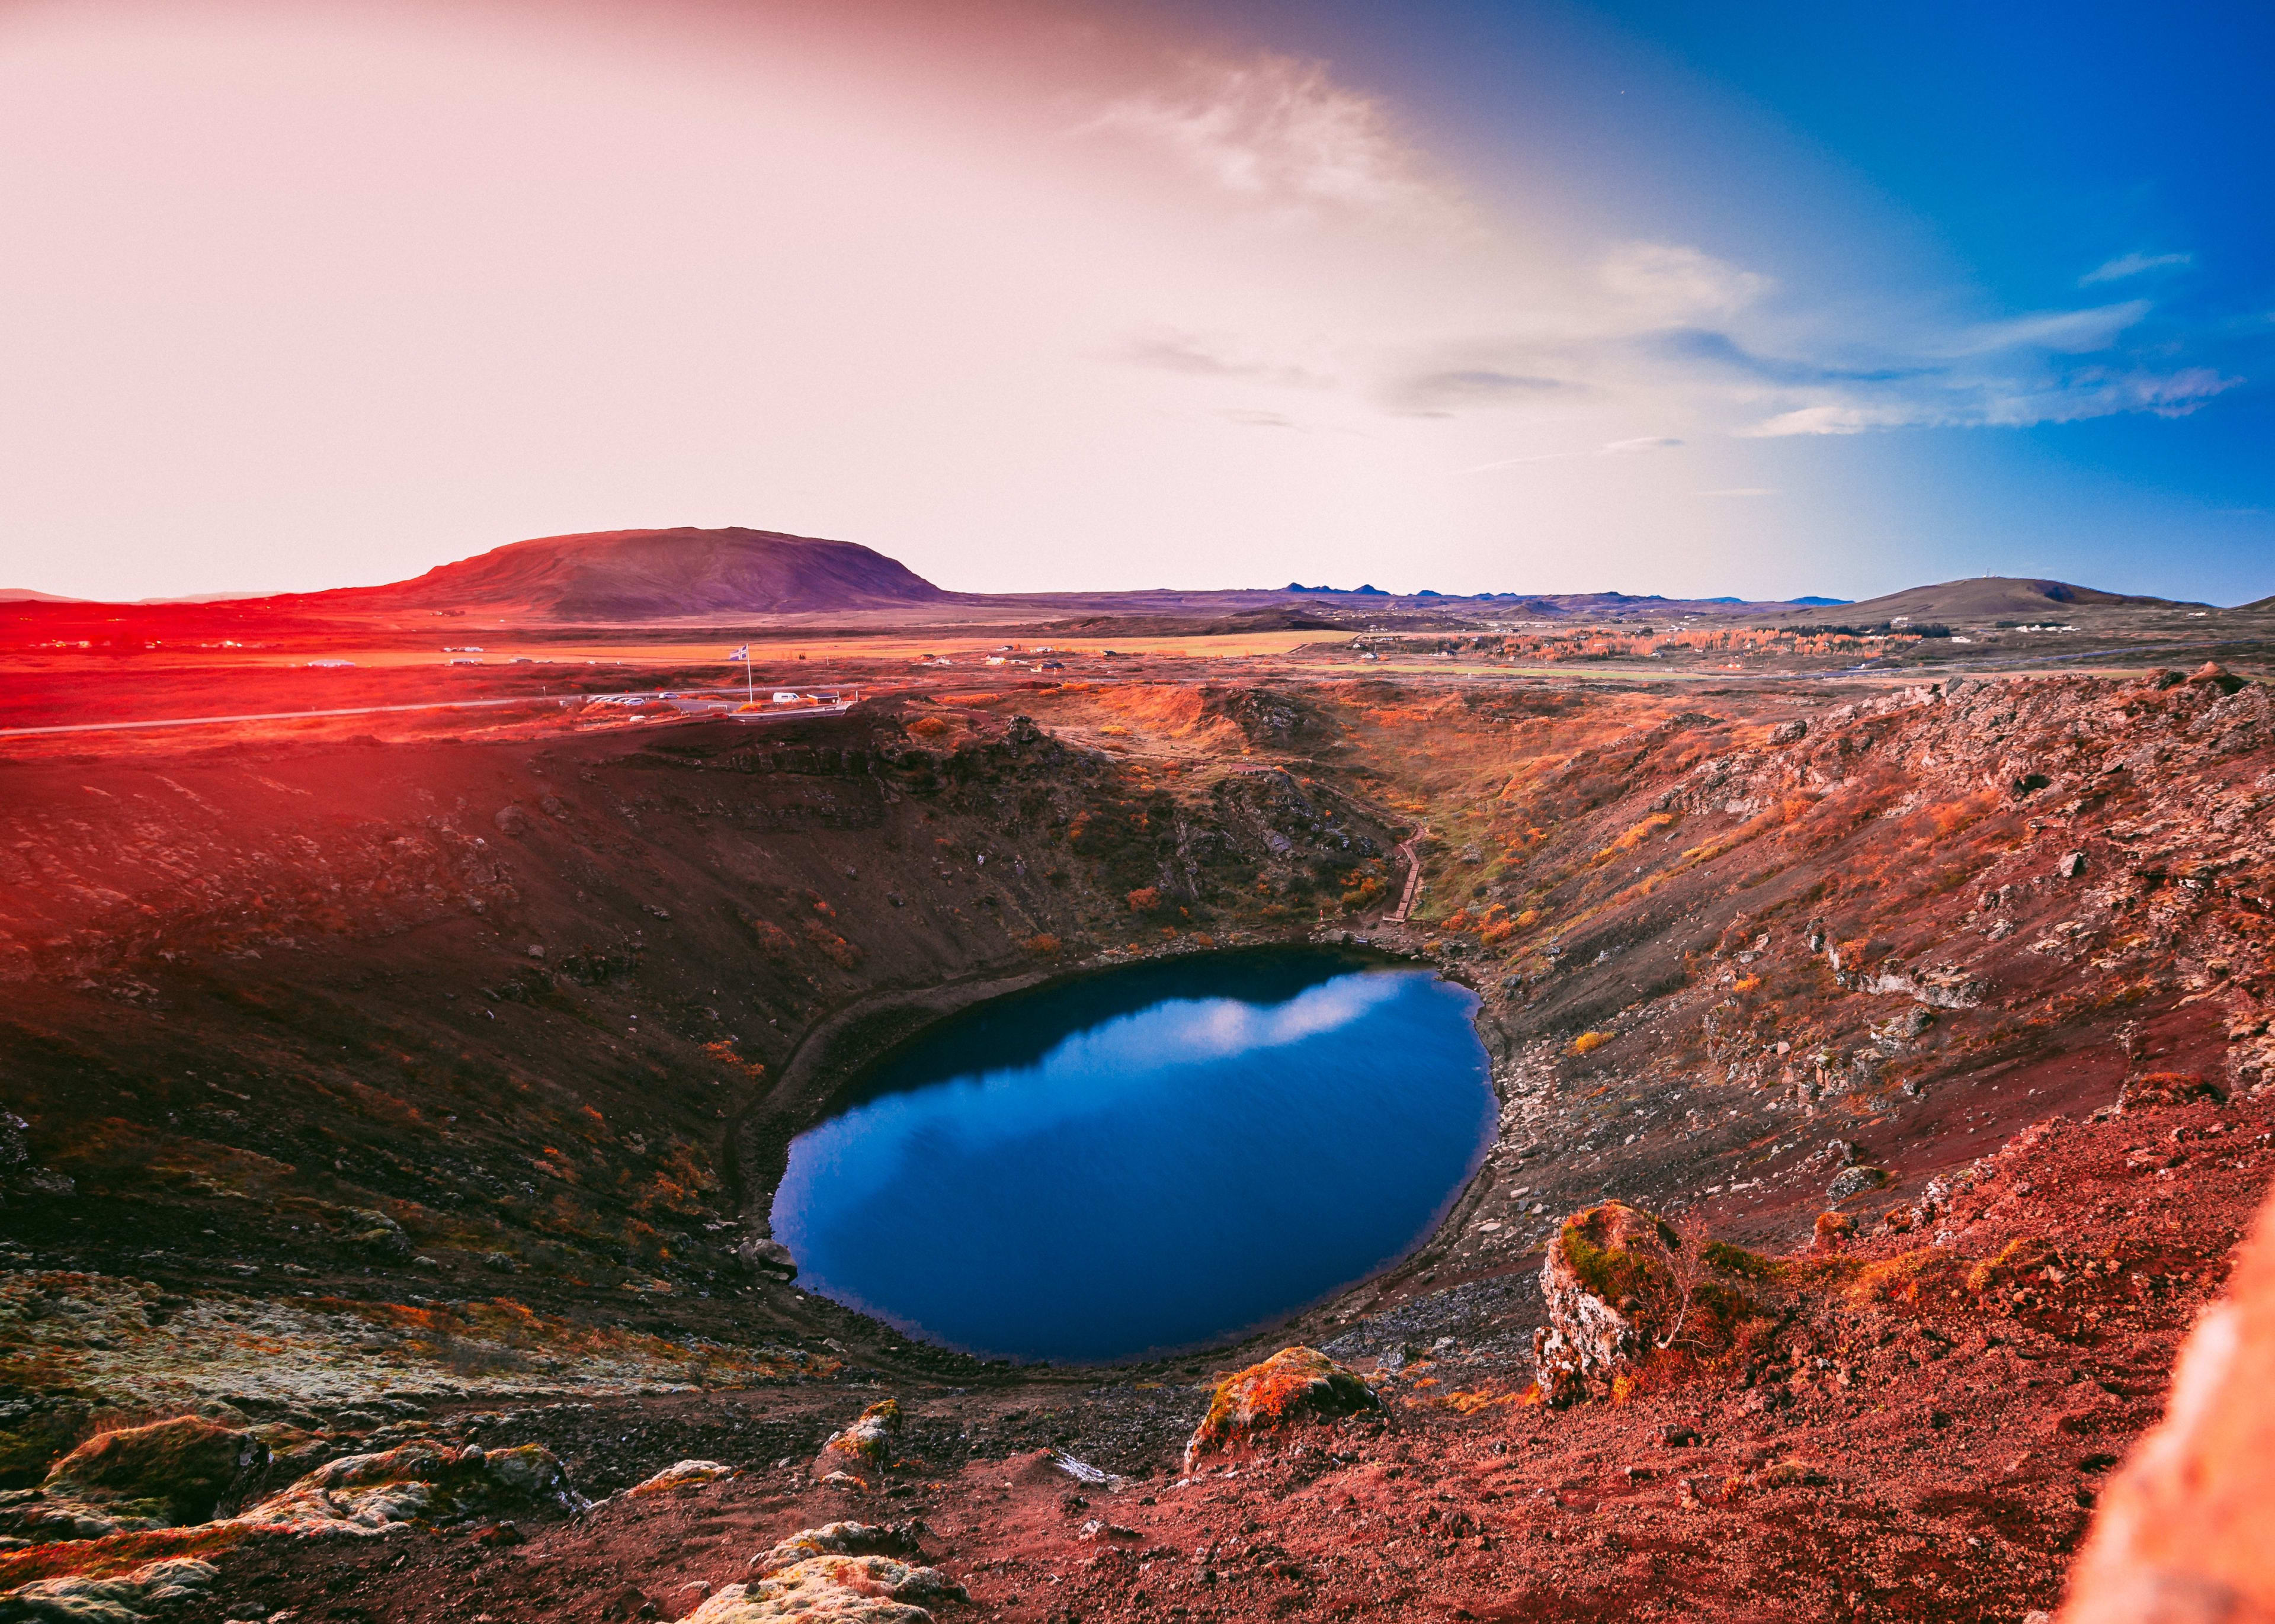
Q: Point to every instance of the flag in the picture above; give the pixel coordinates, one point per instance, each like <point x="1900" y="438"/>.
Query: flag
<point x="743" y="652"/>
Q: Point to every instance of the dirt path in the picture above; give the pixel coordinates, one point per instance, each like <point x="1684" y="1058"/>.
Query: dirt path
<point x="1406" y="849"/>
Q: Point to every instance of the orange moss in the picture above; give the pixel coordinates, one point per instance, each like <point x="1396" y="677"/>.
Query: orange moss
<point x="723" y="1052"/>
<point x="1292" y="1384"/>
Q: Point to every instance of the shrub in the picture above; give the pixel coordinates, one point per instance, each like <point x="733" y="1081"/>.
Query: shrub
<point x="840" y="952"/>
<point x="1587" y="1042"/>
<point x="1145" y="899"/>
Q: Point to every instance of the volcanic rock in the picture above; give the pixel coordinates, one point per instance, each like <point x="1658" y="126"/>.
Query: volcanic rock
<point x="1294" y="1384"/>
<point x="839" y="1539"/>
<point x="683" y="1475"/>
<point x="1597" y="1282"/>
<point x="1855" y="1181"/>
<point x="834" y="1589"/>
<point x="433" y="1483"/>
<point x="168" y="1474"/>
<point x="863" y="1450"/>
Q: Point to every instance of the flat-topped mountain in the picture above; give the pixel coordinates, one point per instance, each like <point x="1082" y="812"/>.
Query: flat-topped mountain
<point x="616" y="575"/>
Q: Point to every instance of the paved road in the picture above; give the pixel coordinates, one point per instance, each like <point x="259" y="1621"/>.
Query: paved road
<point x="691" y="708"/>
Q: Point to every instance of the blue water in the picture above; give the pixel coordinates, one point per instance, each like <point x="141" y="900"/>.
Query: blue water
<point x="1145" y="1158"/>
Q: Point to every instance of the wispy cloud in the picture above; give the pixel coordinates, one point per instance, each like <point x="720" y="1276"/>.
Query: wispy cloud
<point x="2132" y="265"/>
<point x="1742" y="490"/>
<point x="1441" y="394"/>
<point x="1248" y="418"/>
<point x="1198" y="357"/>
<point x="1284" y="133"/>
<point x="1614" y="447"/>
<point x="2008" y="403"/>
<point x="2070" y="332"/>
<point x="1671" y="283"/>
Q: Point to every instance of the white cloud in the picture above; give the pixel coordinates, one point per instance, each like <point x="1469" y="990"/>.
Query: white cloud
<point x="1284" y="133"/>
<point x="1612" y="447"/>
<point x="2132" y="265"/>
<point x="2070" y="332"/>
<point x="1995" y="402"/>
<point x="1669" y="284"/>
<point x="1248" y="418"/>
<point x="1198" y="357"/>
<point x="1742" y="490"/>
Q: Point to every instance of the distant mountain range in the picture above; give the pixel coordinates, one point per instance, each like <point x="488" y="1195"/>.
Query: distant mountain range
<point x="621" y="577"/>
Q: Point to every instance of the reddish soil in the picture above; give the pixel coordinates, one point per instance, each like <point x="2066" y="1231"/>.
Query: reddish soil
<point x="281" y="1049"/>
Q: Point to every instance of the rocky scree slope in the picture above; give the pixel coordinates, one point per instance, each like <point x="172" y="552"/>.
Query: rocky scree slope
<point x="1757" y="961"/>
<point x="392" y="1034"/>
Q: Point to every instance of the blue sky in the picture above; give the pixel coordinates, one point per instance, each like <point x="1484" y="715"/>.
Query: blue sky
<point x="1989" y="163"/>
<point x="1766" y="300"/>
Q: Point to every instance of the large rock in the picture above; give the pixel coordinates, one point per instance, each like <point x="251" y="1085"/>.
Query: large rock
<point x="169" y="1473"/>
<point x="2182" y="1534"/>
<point x="832" y="1589"/>
<point x="433" y="1483"/>
<point x="842" y="1573"/>
<point x="1294" y="1384"/>
<point x="863" y="1451"/>
<point x="839" y="1539"/>
<point x="684" y="1475"/>
<point x="1602" y="1278"/>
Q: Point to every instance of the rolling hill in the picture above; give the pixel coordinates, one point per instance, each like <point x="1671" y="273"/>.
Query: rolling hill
<point x="1985" y="598"/>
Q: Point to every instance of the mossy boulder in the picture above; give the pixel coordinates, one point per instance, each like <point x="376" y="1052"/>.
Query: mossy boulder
<point x="418" y="1483"/>
<point x="169" y="1473"/>
<point x="1604" y="1271"/>
<point x="838" y="1539"/>
<point x="1622" y="1284"/>
<point x="863" y="1451"/>
<point x="834" y="1590"/>
<point x="1293" y="1385"/>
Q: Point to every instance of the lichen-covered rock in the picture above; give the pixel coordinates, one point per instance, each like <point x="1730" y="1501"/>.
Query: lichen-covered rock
<point x="432" y="1483"/>
<point x="166" y="1475"/>
<point x="862" y="1451"/>
<point x="1598" y="1282"/>
<point x="834" y="1589"/>
<point x="1295" y="1384"/>
<point x="116" y="1598"/>
<point x="1855" y="1181"/>
<point x="839" y="1539"/>
<point x="684" y="1475"/>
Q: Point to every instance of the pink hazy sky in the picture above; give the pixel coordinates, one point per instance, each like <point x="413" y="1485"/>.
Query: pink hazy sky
<point x="1029" y="296"/>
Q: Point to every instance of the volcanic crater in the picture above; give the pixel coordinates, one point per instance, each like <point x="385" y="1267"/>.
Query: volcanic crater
<point x="1880" y="1069"/>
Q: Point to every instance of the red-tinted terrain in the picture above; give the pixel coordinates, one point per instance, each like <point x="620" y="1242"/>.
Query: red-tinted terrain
<point x="395" y="1101"/>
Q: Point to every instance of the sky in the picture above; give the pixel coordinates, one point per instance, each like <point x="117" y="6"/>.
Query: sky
<point x="1650" y="296"/>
